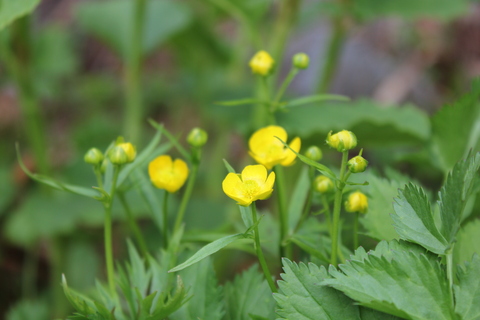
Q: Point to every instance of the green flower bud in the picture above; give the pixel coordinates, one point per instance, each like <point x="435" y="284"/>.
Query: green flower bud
<point x="197" y="137"/>
<point x="323" y="184"/>
<point x="314" y="153"/>
<point x="93" y="156"/>
<point x="342" y="141"/>
<point x="357" y="164"/>
<point x="103" y="167"/>
<point x="357" y="202"/>
<point x="118" y="156"/>
<point x="262" y="63"/>
<point x="129" y="150"/>
<point x="300" y="61"/>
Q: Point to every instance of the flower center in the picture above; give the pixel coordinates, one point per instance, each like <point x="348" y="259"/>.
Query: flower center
<point x="250" y="188"/>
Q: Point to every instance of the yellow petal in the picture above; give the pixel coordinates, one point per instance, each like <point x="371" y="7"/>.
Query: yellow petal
<point x="267" y="187"/>
<point x="231" y="185"/>
<point x="265" y="137"/>
<point x="290" y="156"/>
<point x="257" y="172"/>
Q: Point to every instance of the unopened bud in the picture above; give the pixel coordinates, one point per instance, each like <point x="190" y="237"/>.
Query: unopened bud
<point x="262" y="63"/>
<point x="93" y="156"/>
<point x="300" y="61"/>
<point x="197" y="137"/>
<point x="323" y="184"/>
<point x="129" y="149"/>
<point x="314" y="153"/>
<point x="342" y="141"/>
<point x="357" y="164"/>
<point x="118" y="156"/>
<point x="357" y="202"/>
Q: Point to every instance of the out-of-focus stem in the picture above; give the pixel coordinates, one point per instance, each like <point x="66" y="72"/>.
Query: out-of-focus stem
<point x="165" y="220"/>
<point x="134" y="107"/>
<point x="186" y="198"/>
<point x="283" y="26"/>
<point x="132" y="223"/>
<point x="337" y="205"/>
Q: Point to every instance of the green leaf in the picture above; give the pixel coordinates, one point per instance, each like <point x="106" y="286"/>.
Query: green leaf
<point x="467" y="292"/>
<point x="240" y="102"/>
<point x="207" y="296"/>
<point x="455" y="193"/>
<point x="456" y="129"/>
<point x="28" y="309"/>
<point x="112" y="21"/>
<point x="467" y="242"/>
<point x="378" y="221"/>
<point x="302" y="298"/>
<point x="410" y="9"/>
<point x="298" y="198"/>
<point x="373" y="124"/>
<point x="248" y="294"/>
<point x="315" y="98"/>
<point x="413" y="220"/>
<point x="402" y="283"/>
<point x="12" y="10"/>
<point x="208" y="250"/>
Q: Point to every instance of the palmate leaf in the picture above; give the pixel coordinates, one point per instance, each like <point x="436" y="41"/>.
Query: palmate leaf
<point x="303" y="297"/>
<point x="467" y="292"/>
<point x="403" y="283"/>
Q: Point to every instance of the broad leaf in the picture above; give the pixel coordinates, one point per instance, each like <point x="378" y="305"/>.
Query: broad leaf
<point x="208" y="250"/>
<point x="455" y="129"/>
<point x="467" y="292"/>
<point x="248" y="294"/>
<point x="12" y="10"/>
<point x="413" y="220"/>
<point x="112" y="21"/>
<point x="315" y="98"/>
<point x="402" y="283"/>
<point x="467" y="242"/>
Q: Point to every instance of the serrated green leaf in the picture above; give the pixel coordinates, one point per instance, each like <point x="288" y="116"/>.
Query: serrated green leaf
<point x="112" y="21"/>
<point x="456" y="129"/>
<point x="207" y="296"/>
<point x="315" y="98"/>
<point x="413" y="220"/>
<point x="467" y="292"/>
<point x="208" y="250"/>
<point x="248" y="294"/>
<point x="455" y="193"/>
<point x="12" y="10"/>
<point x="405" y="284"/>
<point x="467" y="242"/>
<point x="302" y="298"/>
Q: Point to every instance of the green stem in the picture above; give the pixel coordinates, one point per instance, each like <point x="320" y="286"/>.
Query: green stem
<point x="132" y="223"/>
<point x="258" y="250"/>
<point x="134" y="110"/>
<point x="328" y="213"/>
<point x="186" y="197"/>
<point x="355" y="232"/>
<point x="266" y="96"/>
<point x="449" y="258"/>
<point x="283" y="87"/>
<point x="285" y="251"/>
<point x="98" y="175"/>
<point x="165" y="219"/>
<point x="337" y="205"/>
<point x="334" y="47"/>
<point x="108" y="234"/>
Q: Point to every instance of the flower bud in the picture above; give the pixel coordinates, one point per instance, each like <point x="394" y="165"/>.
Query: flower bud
<point x="342" y="141"/>
<point x="314" y="153"/>
<point x="118" y="155"/>
<point x="93" y="156"/>
<point x="300" y="61"/>
<point x="197" y="137"/>
<point x="129" y="149"/>
<point x="357" y="164"/>
<point x="323" y="184"/>
<point x="357" y="202"/>
<point x="262" y="63"/>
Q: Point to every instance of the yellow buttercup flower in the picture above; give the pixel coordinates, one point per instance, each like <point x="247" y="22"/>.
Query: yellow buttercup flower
<point x="262" y="63"/>
<point x="266" y="149"/>
<point x="251" y="185"/>
<point x="357" y="202"/>
<point x="167" y="174"/>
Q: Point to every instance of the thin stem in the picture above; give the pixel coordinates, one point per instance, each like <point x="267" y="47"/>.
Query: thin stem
<point x="258" y="250"/>
<point x="108" y="234"/>
<point x="328" y="213"/>
<point x="355" y="232"/>
<point x="283" y="87"/>
<point x="99" y="177"/>
<point x="134" y="110"/>
<point x="449" y="258"/>
<point x="132" y="223"/>
<point x="266" y="96"/>
<point x="337" y="205"/>
<point x="165" y="219"/>
<point x="186" y="197"/>
<point x="282" y="210"/>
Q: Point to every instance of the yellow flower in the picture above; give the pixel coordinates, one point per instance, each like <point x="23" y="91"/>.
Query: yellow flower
<point x="266" y="149"/>
<point x="342" y="141"/>
<point x="357" y="202"/>
<point x="167" y="174"/>
<point x="129" y="150"/>
<point x="253" y="184"/>
<point x="261" y="63"/>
